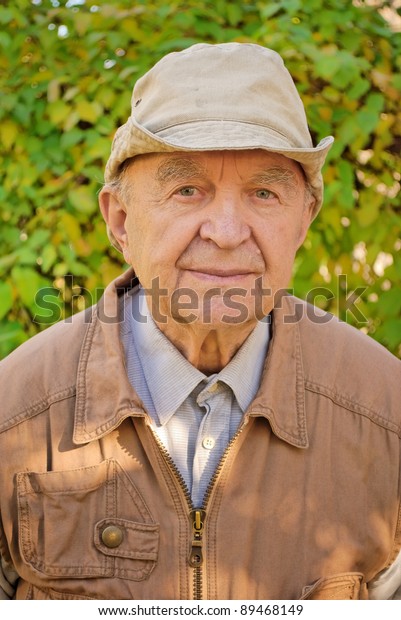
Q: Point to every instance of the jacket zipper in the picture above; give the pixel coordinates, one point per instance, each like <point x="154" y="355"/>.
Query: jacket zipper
<point x="197" y="516"/>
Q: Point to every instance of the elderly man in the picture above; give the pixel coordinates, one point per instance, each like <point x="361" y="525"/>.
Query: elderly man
<point x="200" y="433"/>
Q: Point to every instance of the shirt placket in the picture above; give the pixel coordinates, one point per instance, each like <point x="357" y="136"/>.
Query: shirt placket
<point x="213" y="436"/>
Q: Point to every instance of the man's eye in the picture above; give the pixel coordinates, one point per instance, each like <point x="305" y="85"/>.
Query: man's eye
<point x="186" y="191"/>
<point x="264" y="194"/>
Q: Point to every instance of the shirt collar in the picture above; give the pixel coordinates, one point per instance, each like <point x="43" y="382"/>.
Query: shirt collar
<point x="169" y="376"/>
<point x="244" y="371"/>
<point x="162" y="363"/>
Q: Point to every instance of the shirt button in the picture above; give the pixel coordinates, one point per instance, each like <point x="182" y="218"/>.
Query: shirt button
<point x="112" y="536"/>
<point x="213" y="387"/>
<point x="208" y="443"/>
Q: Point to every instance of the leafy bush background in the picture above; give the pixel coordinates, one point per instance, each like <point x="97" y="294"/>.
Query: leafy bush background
<point x="67" y="70"/>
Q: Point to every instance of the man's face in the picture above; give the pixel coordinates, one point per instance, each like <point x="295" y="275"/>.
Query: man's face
<point x="219" y="230"/>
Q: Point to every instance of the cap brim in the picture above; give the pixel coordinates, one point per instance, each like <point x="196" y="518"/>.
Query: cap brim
<point x="215" y="135"/>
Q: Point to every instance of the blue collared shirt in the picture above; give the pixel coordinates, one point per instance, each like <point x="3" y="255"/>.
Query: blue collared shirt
<point x="194" y="415"/>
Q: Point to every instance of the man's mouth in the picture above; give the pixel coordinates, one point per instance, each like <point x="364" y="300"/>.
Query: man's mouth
<point x="210" y="273"/>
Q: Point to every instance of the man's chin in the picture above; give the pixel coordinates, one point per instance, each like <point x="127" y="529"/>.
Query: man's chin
<point x="218" y="315"/>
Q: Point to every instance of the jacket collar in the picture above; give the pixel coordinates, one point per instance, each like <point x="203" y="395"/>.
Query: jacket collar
<point x="105" y="396"/>
<point x="281" y="397"/>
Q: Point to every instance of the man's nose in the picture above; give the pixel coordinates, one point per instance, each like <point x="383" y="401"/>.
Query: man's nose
<point x="225" y="223"/>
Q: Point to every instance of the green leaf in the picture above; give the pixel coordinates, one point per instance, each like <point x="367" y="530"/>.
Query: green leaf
<point x="6" y="298"/>
<point x="89" y="111"/>
<point x="390" y="331"/>
<point x="83" y="199"/>
<point x="27" y="283"/>
<point x="234" y="14"/>
<point x="58" y="112"/>
<point x="5" y="40"/>
<point x="328" y="66"/>
<point x="12" y="334"/>
<point x="48" y="258"/>
<point x="6" y="15"/>
<point x="390" y="302"/>
<point x="358" y="89"/>
<point x="8" y="133"/>
<point x="268" y="10"/>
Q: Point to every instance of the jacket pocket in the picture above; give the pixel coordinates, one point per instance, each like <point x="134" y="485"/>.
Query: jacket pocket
<point x="345" y="586"/>
<point x="28" y="592"/>
<point x="88" y="522"/>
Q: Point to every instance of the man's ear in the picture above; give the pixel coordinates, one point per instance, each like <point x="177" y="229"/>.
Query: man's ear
<point x="114" y="214"/>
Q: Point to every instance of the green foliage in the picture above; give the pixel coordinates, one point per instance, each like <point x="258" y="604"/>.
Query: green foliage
<point x="67" y="71"/>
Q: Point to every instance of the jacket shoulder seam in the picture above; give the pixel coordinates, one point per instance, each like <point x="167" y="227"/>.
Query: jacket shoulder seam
<point x="38" y="407"/>
<point x="348" y="404"/>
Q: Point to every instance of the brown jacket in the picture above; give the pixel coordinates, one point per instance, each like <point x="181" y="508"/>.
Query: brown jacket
<point x="305" y="504"/>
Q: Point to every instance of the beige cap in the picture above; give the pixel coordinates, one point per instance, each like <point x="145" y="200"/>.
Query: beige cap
<point x="229" y="96"/>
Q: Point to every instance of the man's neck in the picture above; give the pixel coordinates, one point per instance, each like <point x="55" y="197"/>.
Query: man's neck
<point x="208" y="348"/>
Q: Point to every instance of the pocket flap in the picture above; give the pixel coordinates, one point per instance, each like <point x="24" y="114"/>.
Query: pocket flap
<point x="127" y="539"/>
<point x="345" y="586"/>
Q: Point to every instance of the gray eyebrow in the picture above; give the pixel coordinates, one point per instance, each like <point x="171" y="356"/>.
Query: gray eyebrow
<point x="179" y="168"/>
<point x="184" y="168"/>
<point x="281" y="176"/>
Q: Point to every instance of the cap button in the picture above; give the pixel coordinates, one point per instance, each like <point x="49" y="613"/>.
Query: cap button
<point x="112" y="536"/>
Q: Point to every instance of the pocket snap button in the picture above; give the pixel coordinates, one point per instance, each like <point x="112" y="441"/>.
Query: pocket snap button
<point x="112" y="536"/>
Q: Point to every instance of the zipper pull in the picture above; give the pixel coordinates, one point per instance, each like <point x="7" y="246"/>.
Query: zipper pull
<point x="197" y="519"/>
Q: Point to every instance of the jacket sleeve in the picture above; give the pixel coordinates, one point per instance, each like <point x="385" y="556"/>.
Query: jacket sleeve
<point x="8" y="580"/>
